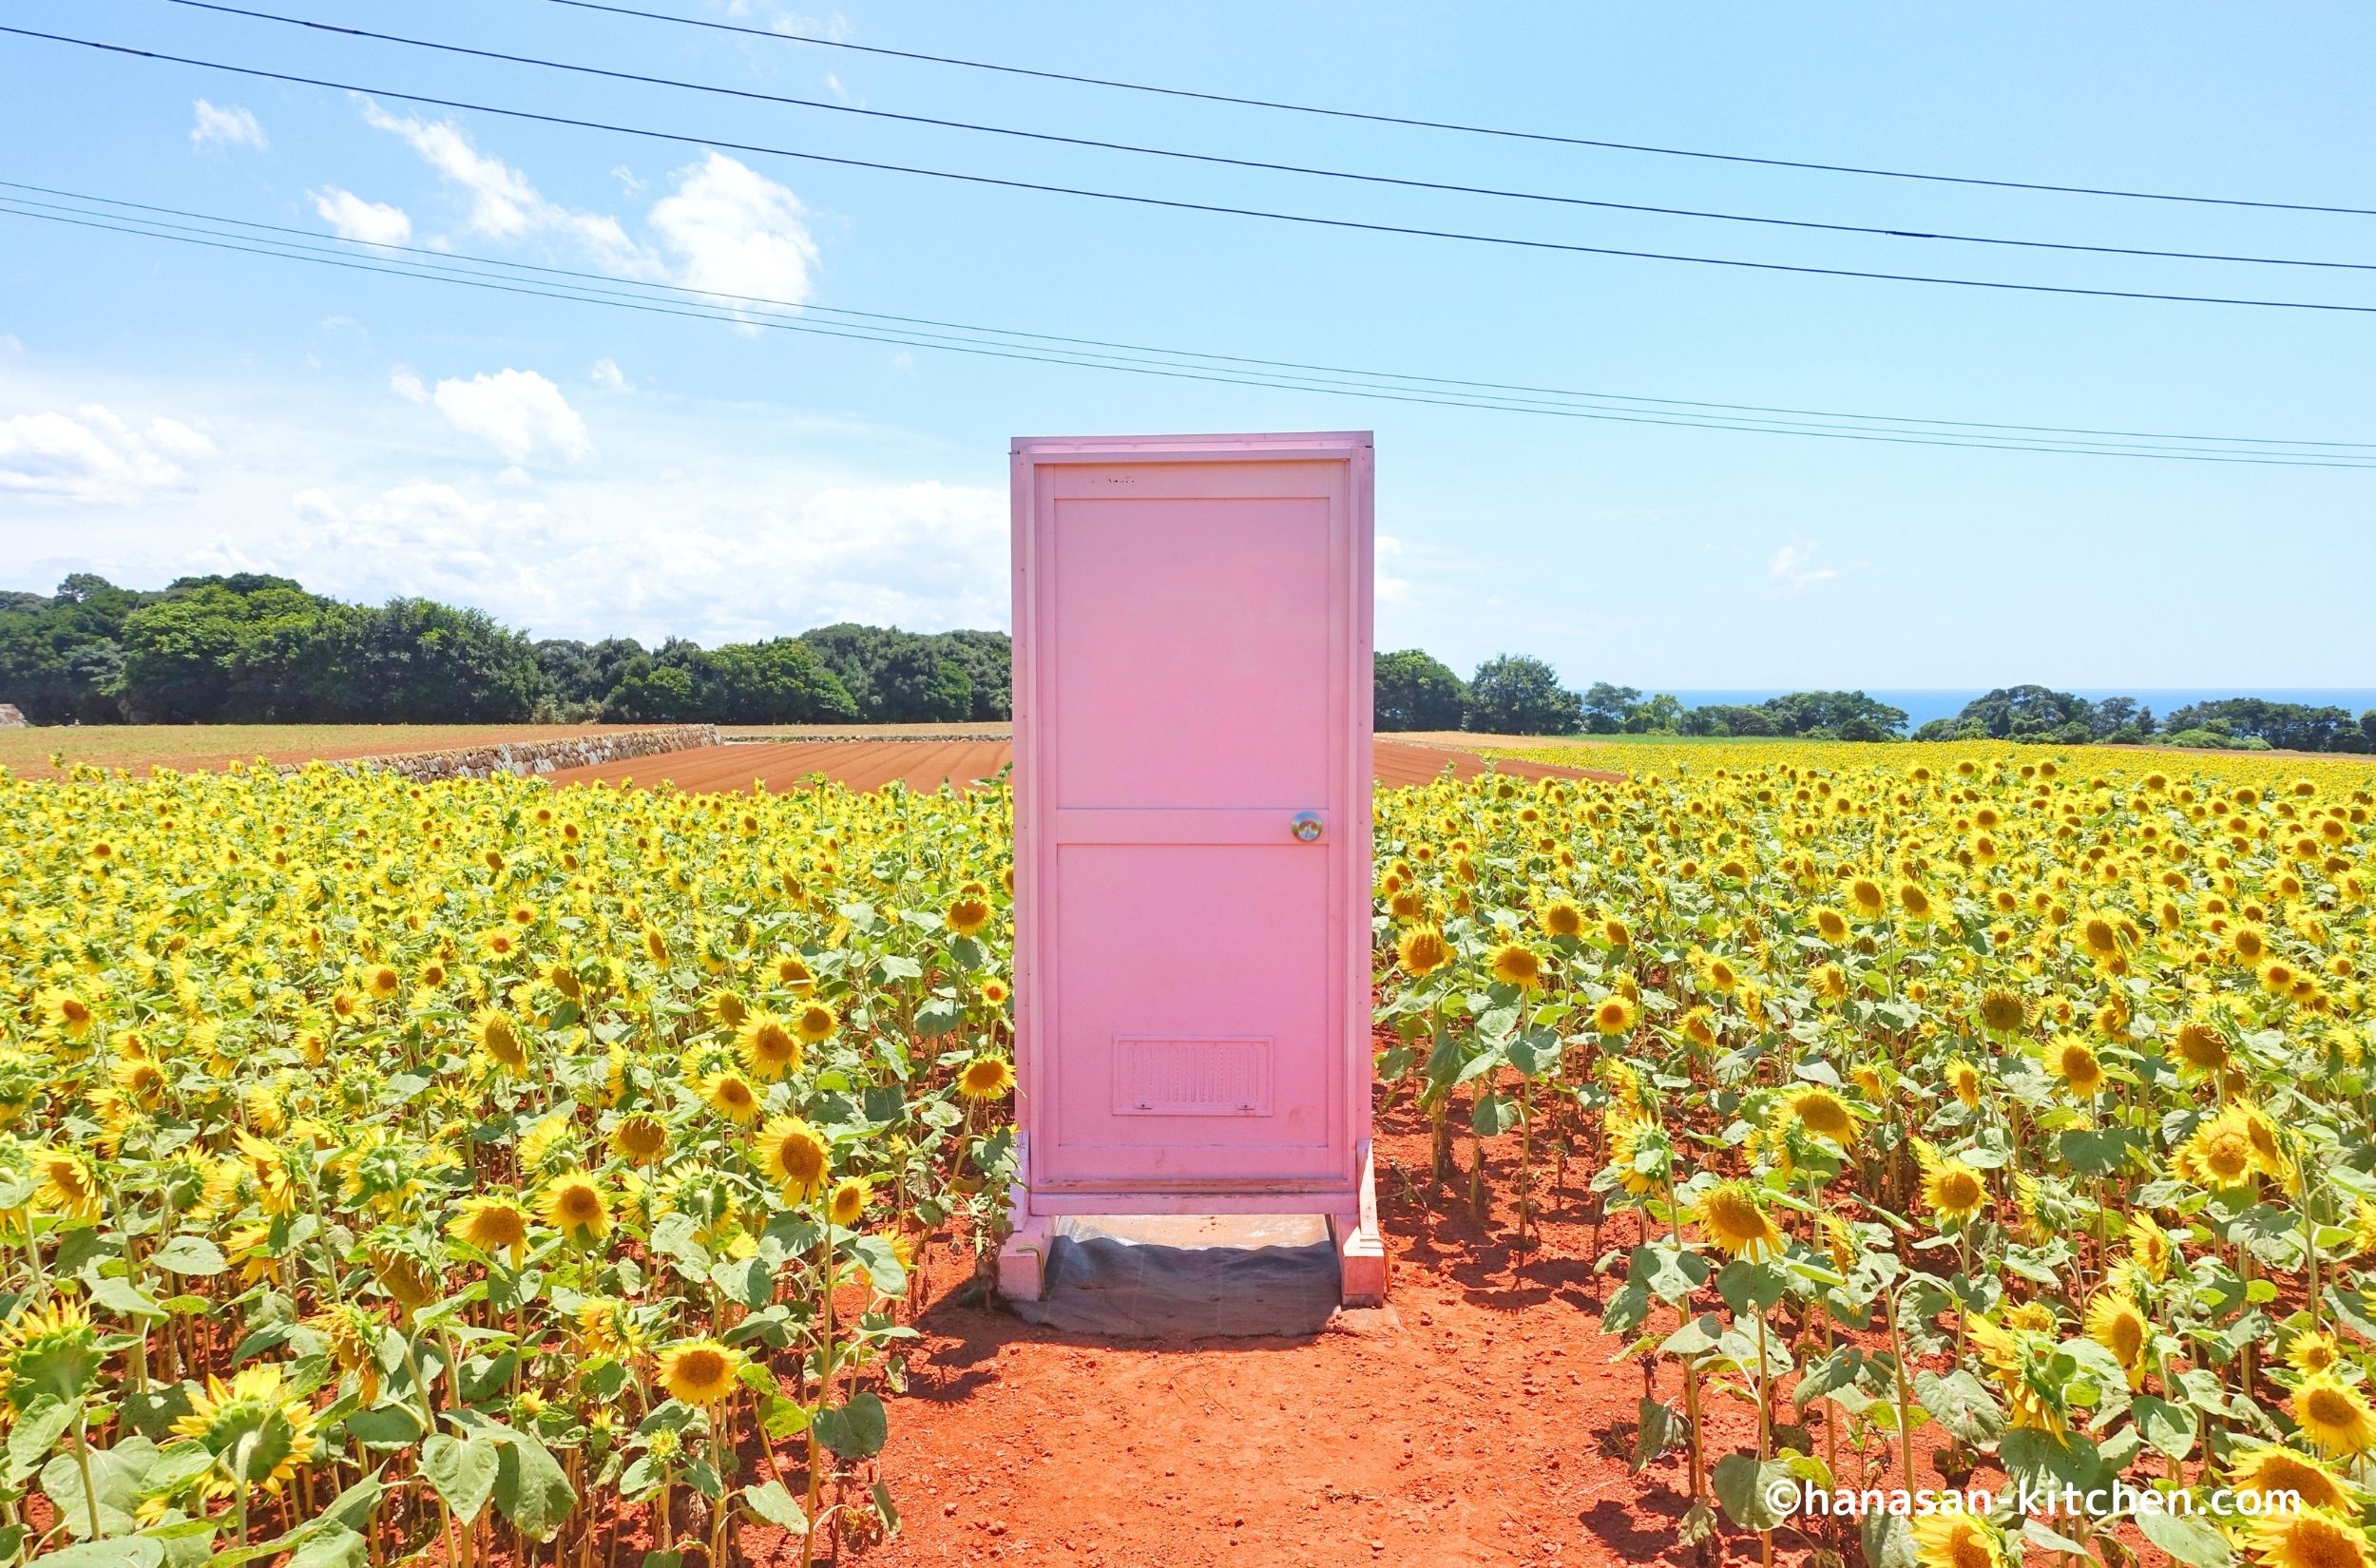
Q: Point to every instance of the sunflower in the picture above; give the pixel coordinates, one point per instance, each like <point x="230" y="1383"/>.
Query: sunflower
<point x="966" y="915"/>
<point x="2218" y="1154"/>
<point x="767" y="1045"/>
<point x="1946" y="1539"/>
<point x="699" y="1371"/>
<point x="577" y="1208"/>
<point x="2308" y="1539"/>
<point x="1616" y="1014"/>
<point x="639" y="1139"/>
<point x="1422" y="950"/>
<point x="69" y="1185"/>
<point x="1634" y="1144"/>
<point x="2314" y="1351"/>
<point x="492" y="1225"/>
<point x="2075" y="1061"/>
<point x="2333" y="1415"/>
<point x="1699" y="1026"/>
<point x="2002" y="1011"/>
<point x="1915" y="904"/>
<point x="2200" y="1046"/>
<point x="498" y="1035"/>
<point x="257" y="1431"/>
<point x="2114" y="1323"/>
<point x="1823" y="1113"/>
<point x="1954" y="1191"/>
<point x="49" y="1353"/>
<point x="1866" y="898"/>
<point x="1964" y="1082"/>
<point x="731" y="1096"/>
<point x="1733" y="1214"/>
<point x="986" y="1078"/>
<point x="1715" y="972"/>
<point x="1561" y="917"/>
<point x="848" y="1203"/>
<point x="994" y="991"/>
<point x="2098" y="936"/>
<point x="1830" y="925"/>
<point x="794" y="1154"/>
<point x="2271" y="1470"/>
<point x="814" y="1023"/>
<point x="1515" y="964"/>
<point x="2149" y="1245"/>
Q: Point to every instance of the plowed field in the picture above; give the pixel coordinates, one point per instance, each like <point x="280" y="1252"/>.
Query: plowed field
<point x="928" y="764"/>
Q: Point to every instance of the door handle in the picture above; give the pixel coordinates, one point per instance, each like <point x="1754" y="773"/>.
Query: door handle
<point x="1306" y="827"/>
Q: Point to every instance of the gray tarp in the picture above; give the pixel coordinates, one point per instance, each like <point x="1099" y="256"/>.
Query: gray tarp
<point x="1188" y="1277"/>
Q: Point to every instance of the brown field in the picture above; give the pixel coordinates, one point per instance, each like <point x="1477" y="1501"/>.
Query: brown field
<point x="929" y="764"/>
<point x="189" y="748"/>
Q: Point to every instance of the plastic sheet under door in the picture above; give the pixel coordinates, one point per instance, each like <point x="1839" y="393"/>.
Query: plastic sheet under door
<point x="1188" y="1277"/>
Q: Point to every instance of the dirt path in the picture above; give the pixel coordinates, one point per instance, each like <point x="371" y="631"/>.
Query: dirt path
<point x="1477" y="1420"/>
<point x="925" y="764"/>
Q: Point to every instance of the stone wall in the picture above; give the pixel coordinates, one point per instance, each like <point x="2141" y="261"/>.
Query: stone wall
<point x="531" y="758"/>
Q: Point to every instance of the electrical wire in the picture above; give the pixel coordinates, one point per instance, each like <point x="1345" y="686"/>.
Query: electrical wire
<point x="1621" y="400"/>
<point x="1461" y="128"/>
<point x="1170" y="204"/>
<point x="691" y="309"/>
<point x="1768" y="221"/>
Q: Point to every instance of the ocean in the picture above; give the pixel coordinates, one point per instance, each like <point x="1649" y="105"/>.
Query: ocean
<point x="1922" y="706"/>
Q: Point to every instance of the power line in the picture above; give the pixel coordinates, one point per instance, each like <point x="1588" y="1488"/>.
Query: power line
<point x="1170" y="204"/>
<point x="1503" y="132"/>
<point x="695" y="311"/>
<point x="1622" y="400"/>
<point x="1768" y="221"/>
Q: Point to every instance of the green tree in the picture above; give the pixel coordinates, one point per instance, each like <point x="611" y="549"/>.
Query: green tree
<point x="236" y="649"/>
<point x="1416" y="692"/>
<point x="1607" y="707"/>
<point x="779" y="682"/>
<point x="1842" y="716"/>
<point x="415" y="660"/>
<point x="1518" y="695"/>
<point x="2016" y="712"/>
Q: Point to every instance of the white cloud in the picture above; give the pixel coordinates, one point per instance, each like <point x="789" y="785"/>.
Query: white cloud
<point x="1390" y="589"/>
<point x="232" y="127"/>
<point x="406" y="385"/>
<point x="93" y="454"/>
<point x="351" y="217"/>
<point x="518" y="412"/>
<point x="627" y="179"/>
<point x="1793" y="566"/>
<point x="735" y="231"/>
<point x="607" y="376"/>
<point x="12" y="343"/>
<point x="505" y="205"/>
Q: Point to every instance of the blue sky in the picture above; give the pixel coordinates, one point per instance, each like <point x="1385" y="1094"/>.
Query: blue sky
<point x="578" y="471"/>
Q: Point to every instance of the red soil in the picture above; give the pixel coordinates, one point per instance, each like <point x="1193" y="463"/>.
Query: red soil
<point x="1477" y="1420"/>
<point x="927" y="764"/>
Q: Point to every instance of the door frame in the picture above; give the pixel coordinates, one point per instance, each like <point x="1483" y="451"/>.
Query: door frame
<point x="1350" y="910"/>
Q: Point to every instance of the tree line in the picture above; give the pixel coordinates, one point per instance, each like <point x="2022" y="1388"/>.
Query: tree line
<point x="1517" y="695"/>
<point x="250" y="648"/>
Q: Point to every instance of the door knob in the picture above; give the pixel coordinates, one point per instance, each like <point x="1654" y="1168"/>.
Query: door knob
<point x="1307" y="826"/>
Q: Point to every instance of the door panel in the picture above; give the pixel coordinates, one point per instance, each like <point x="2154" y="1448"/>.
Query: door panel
<point x="1193" y="638"/>
<point x="1202" y="671"/>
<point x="1191" y="1029"/>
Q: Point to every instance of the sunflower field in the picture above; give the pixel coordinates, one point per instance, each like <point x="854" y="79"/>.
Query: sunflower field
<point x="480" y="1170"/>
<point x="475" y="1170"/>
<point x="1983" y="1116"/>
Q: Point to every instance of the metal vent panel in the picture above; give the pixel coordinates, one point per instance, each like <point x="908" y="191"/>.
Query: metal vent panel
<point x="1160" y="1075"/>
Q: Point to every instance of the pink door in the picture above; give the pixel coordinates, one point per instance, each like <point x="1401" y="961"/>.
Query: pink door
<point x="1192" y="706"/>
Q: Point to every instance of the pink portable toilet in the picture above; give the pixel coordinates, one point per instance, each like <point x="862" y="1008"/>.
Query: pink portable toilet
<point x="1192" y="698"/>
